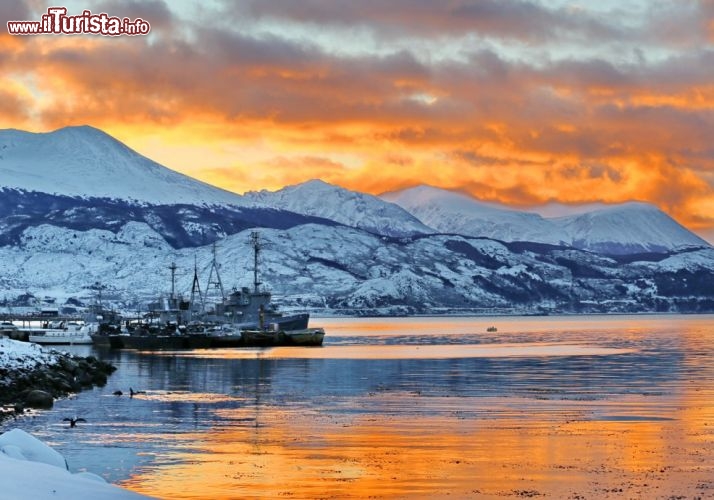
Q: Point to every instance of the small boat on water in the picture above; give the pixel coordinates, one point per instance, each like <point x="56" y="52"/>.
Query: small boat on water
<point x="262" y="338"/>
<point x="307" y="337"/>
<point x="268" y="338"/>
<point x="61" y="333"/>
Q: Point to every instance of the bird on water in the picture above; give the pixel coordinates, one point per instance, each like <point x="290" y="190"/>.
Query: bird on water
<point x="73" y="421"/>
<point x="132" y="392"/>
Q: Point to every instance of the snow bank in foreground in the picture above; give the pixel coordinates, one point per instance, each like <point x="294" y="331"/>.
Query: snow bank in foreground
<point x="31" y="469"/>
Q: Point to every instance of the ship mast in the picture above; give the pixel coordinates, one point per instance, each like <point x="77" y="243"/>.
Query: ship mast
<point x="98" y="287"/>
<point x="173" y="268"/>
<point x="255" y="241"/>
<point x="196" y="287"/>
<point x="217" y="283"/>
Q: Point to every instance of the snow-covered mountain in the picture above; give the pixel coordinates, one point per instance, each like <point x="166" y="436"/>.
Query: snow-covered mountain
<point x="627" y="228"/>
<point x="320" y="199"/>
<point x="86" y="162"/>
<point x="77" y="207"/>
<point x="82" y="179"/>
<point x="117" y="185"/>
<point x="456" y="213"/>
<point x="339" y="269"/>
<point x="180" y="225"/>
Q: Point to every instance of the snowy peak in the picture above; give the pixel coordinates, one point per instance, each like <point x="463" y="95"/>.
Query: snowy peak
<point x="627" y="228"/>
<point x="86" y="162"/>
<point x="632" y="227"/>
<point x="319" y="199"/>
<point x="420" y="196"/>
<point x="451" y="212"/>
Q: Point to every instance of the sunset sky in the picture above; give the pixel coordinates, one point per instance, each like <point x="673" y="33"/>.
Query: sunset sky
<point x="519" y="102"/>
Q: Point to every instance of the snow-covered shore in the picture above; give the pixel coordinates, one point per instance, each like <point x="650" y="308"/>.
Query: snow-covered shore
<point x="33" y="377"/>
<point x="28" y="467"/>
<point x="24" y="355"/>
<point x="31" y="469"/>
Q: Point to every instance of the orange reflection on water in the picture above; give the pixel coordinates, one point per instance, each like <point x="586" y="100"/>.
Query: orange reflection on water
<point x="530" y="349"/>
<point x="547" y="447"/>
<point x="655" y="443"/>
<point x="506" y="325"/>
<point x="185" y="396"/>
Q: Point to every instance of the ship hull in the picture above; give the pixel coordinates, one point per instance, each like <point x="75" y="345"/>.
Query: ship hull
<point x="234" y="336"/>
<point x="57" y="340"/>
<point x="159" y="342"/>
<point x="262" y="338"/>
<point x="292" y="322"/>
<point x="101" y="340"/>
<point x="59" y="337"/>
<point x="226" y="341"/>
<point x="306" y="337"/>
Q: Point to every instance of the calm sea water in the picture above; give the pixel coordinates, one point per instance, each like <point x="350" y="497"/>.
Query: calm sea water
<point x="410" y="407"/>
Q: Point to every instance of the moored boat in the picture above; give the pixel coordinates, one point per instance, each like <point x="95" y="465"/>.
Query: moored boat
<point x="246" y="318"/>
<point x="306" y="337"/>
<point x="224" y="336"/>
<point x="7" y="328"/>
<point x="61" y="333"/>
<point x="249" y="308"/>
<point x="271" y="338"/>
<point x="262" y="338"/>
<point x="102" y="322"/>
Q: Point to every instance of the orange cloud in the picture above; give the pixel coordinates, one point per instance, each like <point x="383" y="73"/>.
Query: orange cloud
<point x="250" y="110"/>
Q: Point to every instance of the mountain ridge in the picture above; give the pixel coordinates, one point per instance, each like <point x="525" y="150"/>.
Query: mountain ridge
<point x="352" y="208"/>
<point x="84" y="161"/>
<point x="375" y="258"/>
<point x="343" y="270"/>
<point x="630" y="227"/>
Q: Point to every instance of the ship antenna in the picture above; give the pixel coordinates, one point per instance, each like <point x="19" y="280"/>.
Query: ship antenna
<point x="173" y="268"/>
<point x="255" y="240"/>
<point x="196" y="286"/>
<point x="214" y="267"/>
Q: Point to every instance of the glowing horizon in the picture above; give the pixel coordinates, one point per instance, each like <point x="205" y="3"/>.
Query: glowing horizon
<point x="521" y="103"/>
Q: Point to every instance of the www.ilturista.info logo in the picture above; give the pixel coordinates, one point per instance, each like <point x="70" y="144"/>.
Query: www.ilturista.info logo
<point x="57" y="22"/>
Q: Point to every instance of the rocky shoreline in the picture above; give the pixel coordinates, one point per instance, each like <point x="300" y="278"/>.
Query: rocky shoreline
<point x="36" y="383"/>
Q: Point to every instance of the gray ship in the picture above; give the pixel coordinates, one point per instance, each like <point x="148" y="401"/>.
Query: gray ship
<point x="246" y="309"/>
<point x="176" y="322"/>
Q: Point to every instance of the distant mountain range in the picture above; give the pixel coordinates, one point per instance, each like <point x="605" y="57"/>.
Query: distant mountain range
<point x="320" y="199"/>
<point x="626" y="228"/>
<point x="77" y="206"/>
